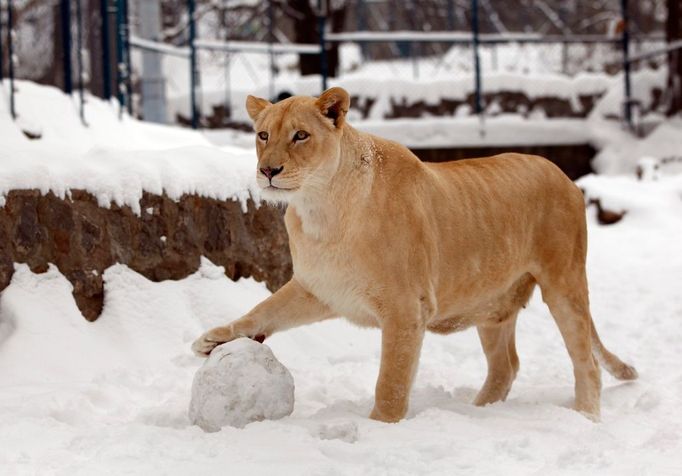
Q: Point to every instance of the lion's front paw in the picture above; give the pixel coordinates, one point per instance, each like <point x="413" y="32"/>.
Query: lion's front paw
<point x="203" y="346"/>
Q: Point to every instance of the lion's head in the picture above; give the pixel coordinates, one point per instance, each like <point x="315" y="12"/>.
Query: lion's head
<point x="297" y="141"/>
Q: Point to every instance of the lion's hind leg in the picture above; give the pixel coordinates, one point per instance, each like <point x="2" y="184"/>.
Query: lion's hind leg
<point x="498" y="339"/>
<point x="498" y="343"/>
<point x="568" y="302"/>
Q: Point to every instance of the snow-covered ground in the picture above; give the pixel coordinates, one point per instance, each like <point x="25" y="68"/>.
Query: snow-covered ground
<point x="111" y="397"/>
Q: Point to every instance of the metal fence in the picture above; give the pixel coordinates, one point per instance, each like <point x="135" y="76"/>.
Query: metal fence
<point x="7" y="24"/>
<point x="391" y="53"/>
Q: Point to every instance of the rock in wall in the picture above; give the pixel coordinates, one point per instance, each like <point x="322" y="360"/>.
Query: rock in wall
<point x="165" y="242"/>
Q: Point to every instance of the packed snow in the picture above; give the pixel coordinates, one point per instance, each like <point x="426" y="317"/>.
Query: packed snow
<point x="116" y="160"/>
<point x="241" y="382"/>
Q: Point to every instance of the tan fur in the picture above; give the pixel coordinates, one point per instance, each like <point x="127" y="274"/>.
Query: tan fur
<point x="387" y="241"/>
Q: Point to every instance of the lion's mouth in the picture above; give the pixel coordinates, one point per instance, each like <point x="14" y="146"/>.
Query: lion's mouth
<point x="282" y="189"/>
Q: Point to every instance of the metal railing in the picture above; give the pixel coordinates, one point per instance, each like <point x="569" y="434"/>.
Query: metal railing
<point x="125" y="42"/>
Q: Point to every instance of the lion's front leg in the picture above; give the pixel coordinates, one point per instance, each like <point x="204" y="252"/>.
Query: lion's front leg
<point x="401" y="342"/>
<point x="290" y="306"/>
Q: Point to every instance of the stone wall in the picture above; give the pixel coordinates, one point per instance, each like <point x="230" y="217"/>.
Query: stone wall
<point x="502" y="102"/>
<point x="166" y="242"/>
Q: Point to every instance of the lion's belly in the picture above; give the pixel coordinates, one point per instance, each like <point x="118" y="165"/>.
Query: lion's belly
<point x="493" y="306"/>
<point x="456" y="320"/>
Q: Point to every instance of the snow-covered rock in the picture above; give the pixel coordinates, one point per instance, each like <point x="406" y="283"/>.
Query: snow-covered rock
<point x="240" y="382"/>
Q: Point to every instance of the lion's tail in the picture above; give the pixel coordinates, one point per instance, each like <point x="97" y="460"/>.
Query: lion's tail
<point x="609" y="361"/>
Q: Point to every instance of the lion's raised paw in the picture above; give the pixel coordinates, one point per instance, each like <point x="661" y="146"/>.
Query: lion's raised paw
<point x="208" y="341"/>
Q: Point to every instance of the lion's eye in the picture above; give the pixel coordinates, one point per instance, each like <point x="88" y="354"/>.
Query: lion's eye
<point x="263" y="136"/>
<point x="301" y="135"/>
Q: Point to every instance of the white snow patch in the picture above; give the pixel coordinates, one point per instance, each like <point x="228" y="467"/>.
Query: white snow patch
<point x="116" y="160"/>
<point x="620" y="151"/>
<point x="655" y="204"/>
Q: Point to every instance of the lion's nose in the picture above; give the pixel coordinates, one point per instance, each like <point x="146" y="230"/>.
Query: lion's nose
<point x="270" y="172"/>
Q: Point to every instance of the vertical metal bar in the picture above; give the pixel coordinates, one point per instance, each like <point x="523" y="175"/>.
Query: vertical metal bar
<point x="625" y="43"/>
<point x="120" y="56"/>
<point x="415" y="59"/>
<point x="151" y="78"/>
<point x="191" y="8"/>
<point x="65" y="11"/>
<point x="412" y="45"/>
<point x="477" y="61"/>
<point x="361" y="14"/>
<point x="128" y="62"/>
<point x="271" y="54"/>
<point x="228" y="80"/>
<point x="2" y="50"/>
<point x="79" y="58"/>
<point x="321" y="26"/>
<point x="106" y="49"/>
<point x="451" y="14"/>
<point x="228" y="92"/>
<point x="10" y="45"/>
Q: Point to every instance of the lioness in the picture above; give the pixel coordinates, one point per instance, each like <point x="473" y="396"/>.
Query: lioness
<point x="387" y="241"/>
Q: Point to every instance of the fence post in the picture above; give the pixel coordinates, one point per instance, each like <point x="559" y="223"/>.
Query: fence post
<point x="321" y="26"/>
<point x="625" y="42"/>
<point x="79" y="58"/>
<point x="361" y="14"/>
<point x="10" y="41"/>
<point x="120" y="56"/>
<point x="2" y="51"/>
<point x="151" y="75"/>
<point x="451" y="14"/>
<point x="414" y="47"/>
<point x="228" y="93"/>
<point x="65" y="11"/>
<point x="271" y="54"/>
<point x="106" y="49"/>
<point x="128" y="62"/>
<point x="477" y="62"/>
<point x="193" y="77"/>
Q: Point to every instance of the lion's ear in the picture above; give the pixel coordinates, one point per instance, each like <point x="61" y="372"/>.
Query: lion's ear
<point x="334" y="104"/>
<point x="254" y="106"/>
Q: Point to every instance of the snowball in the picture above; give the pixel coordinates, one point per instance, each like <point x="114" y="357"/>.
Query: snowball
<point x="240" y="382"/>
